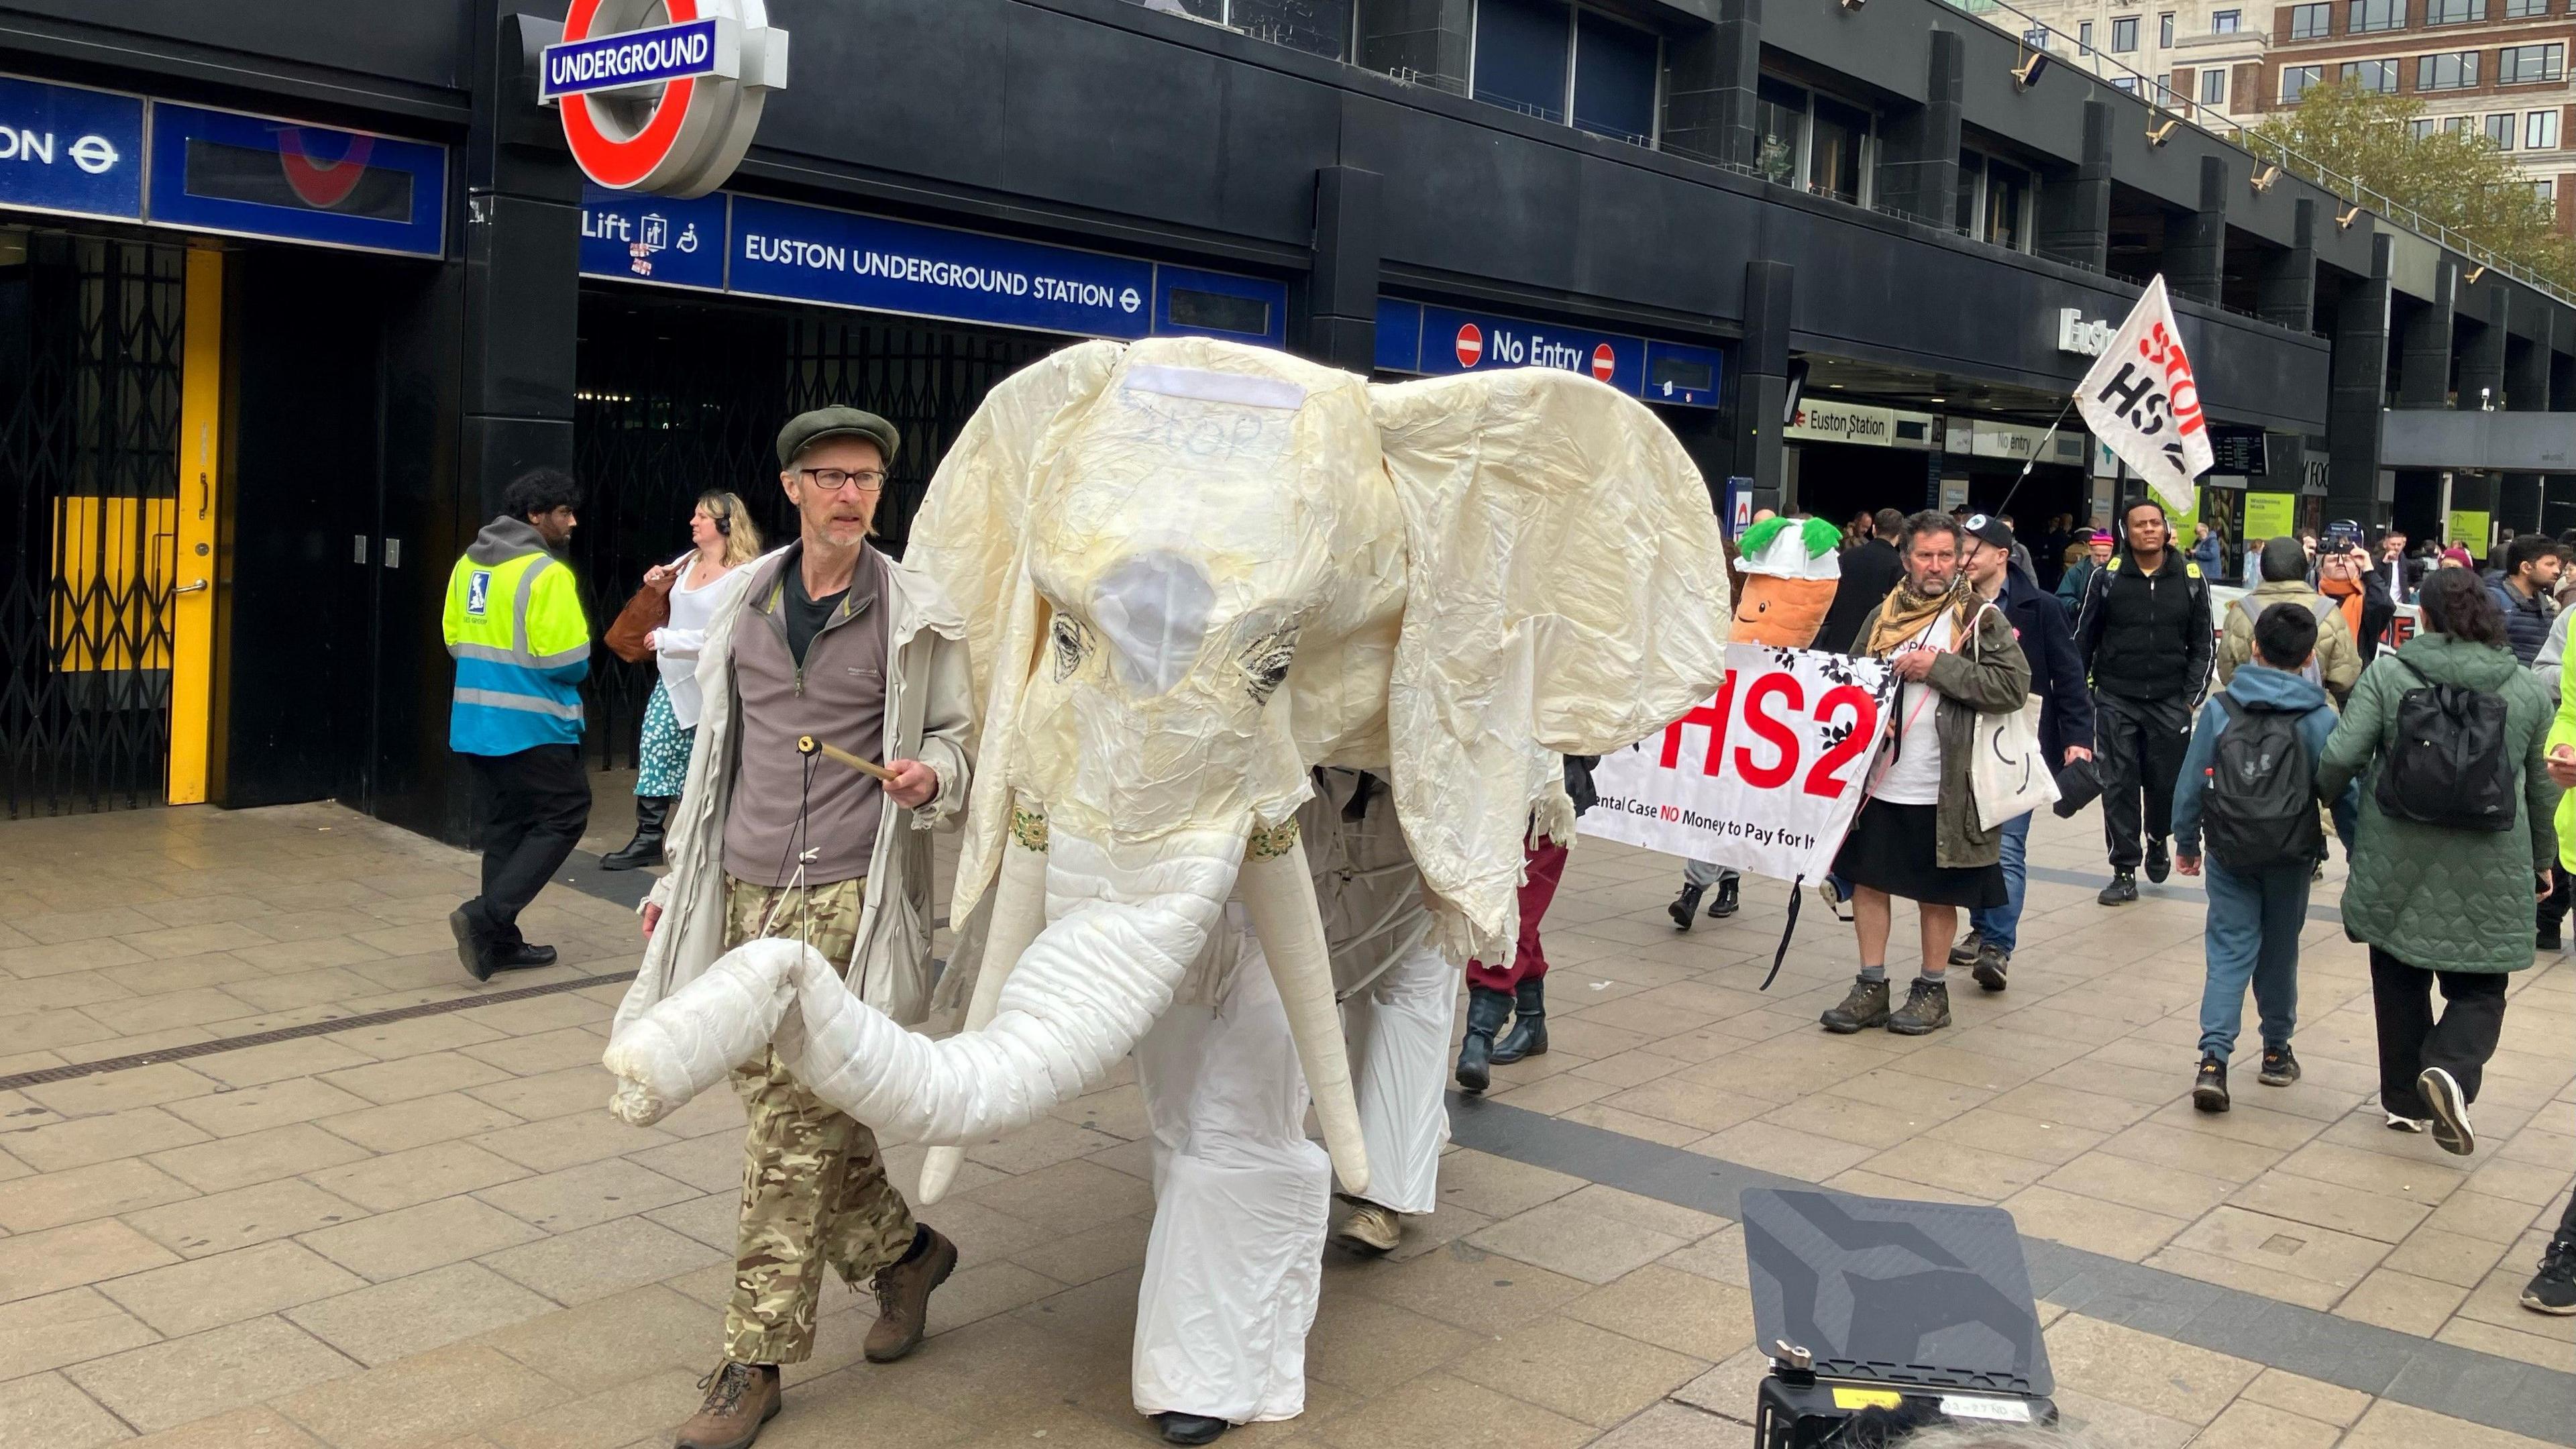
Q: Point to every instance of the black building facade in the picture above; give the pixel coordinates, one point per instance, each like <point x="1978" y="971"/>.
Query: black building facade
<point x="1710" y="203"/>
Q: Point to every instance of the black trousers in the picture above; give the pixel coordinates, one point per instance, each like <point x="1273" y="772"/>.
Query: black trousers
<point x="532" y="807"/>
<point x="2410" y="1040"/>
<point x="2137" y="751"/>
<point x="2562" y="894"/>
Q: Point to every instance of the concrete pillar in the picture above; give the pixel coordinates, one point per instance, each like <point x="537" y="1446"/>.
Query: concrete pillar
<point x="1350" y="211"/>
<point x="2424" y="349"/>
<point x="2358" y="380"/>
<point x="1762" y="383"/>
<point x="2526" y="390"/>
<point x="1711" y="80"/>
<point x="1919" y="166"/>
<point x="2285" y="291"/>
<point x="2196" y="244"/>
<point x="2075" y="216"/>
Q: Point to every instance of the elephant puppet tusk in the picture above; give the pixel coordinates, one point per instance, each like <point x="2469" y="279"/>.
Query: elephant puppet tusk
<point x="1280" y="897"/>
<point x="1019" y="913"/>
<point x="808" y="745"/>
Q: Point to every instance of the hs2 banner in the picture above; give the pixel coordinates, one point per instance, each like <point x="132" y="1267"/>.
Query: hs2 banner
<point x="1766" y="776"/>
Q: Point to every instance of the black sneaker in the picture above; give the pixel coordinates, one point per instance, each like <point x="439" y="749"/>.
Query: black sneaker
<point x="1864" y="1008"/>
<point x="2552" y="1290"/>
<point x="1992" y="961"/>
<point x="2209" y="1089"/>
<point x="2450" y="1108"/>
<point x="1926" y="1009"/>
<point x="1724" y="905"/>
<point x="2547" y="938"/>
<point x="2159" y="864"/>
<point x="1965" y="953"/>
<point x="2122" y="891"/>
<point x="2280" y="1068"/>
<point x="1685" y="908"/>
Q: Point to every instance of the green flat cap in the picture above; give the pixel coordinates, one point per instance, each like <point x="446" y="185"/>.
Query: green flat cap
<point x="806" y="429"/>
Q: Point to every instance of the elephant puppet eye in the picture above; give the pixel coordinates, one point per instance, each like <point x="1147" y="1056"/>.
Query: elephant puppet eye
<point x="1265" y="661"/>
<point x="1072" y="645"/>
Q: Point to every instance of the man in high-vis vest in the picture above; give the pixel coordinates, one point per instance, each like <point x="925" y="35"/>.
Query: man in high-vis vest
<point x="515" y="627"/>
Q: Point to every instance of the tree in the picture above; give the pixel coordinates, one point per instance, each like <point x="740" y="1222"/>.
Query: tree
<point x="2451" y="178"/>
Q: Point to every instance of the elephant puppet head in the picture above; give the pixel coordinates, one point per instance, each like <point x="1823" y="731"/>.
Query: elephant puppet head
<point x="1190" y="571"/>
<point x="1790" y="570"/>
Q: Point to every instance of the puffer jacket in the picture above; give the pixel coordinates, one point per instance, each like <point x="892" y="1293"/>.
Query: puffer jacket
<point x="2526" y="620"/>
<point x="1986" y="675"/>
<point x="2437" y="898"/>
<point x="2338" y="653"/>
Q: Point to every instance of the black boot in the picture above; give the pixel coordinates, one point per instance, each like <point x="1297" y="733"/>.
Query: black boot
<point x="1528" y="1036"/>
<point x="1685" y="907"/>
<point x="1486" y="1009"/>
<point x="1724" y="905"/>
<point x="652" y="813"/>
<point x="1180" y="1428"/>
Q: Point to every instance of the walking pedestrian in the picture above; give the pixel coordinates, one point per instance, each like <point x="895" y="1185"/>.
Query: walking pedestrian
<point x="2528" y="593"/>
<point x="2208" y="550"/>
<point x="2337" y="661"/>
<point x="1868" y="572"/>
<point x="2143" y="634"/>
<point x="522" y="648"/>
<point x="2251" y="777"/>
<point x="2080" y="570"/>
<point x="830" y="639"/>
<point x="1918" y="837"/>
<point x="1519" y="991"/>
<point x="2438" y="893"/>
<point x="689" y="590"/>
<point x="2552" y="1290"/>
<point x="2065" y="731"/>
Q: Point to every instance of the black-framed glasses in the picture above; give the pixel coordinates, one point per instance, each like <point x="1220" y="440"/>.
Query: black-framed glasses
<point x="833" y="480"/>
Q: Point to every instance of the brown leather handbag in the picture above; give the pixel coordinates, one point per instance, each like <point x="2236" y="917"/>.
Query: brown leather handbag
<point x="649" y="610"/>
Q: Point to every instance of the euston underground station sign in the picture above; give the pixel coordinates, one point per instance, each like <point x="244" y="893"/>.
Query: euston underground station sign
<point x="668" y="109"/>
<point x="1439" y="341"/>
<point x="71" y="150"/>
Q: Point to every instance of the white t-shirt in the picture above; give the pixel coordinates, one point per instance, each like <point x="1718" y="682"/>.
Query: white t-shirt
<point x="1914" y="776"/>
<point x="676" y="645"/>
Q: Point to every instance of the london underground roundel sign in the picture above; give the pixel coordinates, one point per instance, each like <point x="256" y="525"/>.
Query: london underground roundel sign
<point x="667" y="109"/>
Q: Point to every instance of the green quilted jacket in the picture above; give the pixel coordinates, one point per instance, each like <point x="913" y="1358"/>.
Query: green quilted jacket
<point x="2442" y="899"/>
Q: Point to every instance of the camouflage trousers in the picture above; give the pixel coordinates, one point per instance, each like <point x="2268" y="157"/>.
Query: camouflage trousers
<point x="814" y="1189"/>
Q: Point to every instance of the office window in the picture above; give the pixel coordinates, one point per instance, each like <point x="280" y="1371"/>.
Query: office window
<point x="2421" y="128"/>
<point x="2164" y="30"/>
<point x="2127" y="84"/>
<point x="2544" y="191"/>
<point x="2454" y="12"/>
<point x="2525" y="64"/>
<point x="2007" y="197"/>
<point x="1614" y="78"/>
<point x="1780" y="133"/>
<point x="1834" y="166"/>
<point x="1426" y="42"/>
<point x="2295" y="80"/>
<point x="2500" y="132"/>
<point x="2379" y="76"/>
<point x="2213" y="87"/>
<point x="2124" y="35"/>
<point x="2369" y="15"/>
<point x="2226" y="22"/>
<point x="2036" y="37"/>
<point x="2084" y="37"/>
<point x="2450" y="71"/>
<point x="2540" y="131"/>
<point x="1972" y="182"/>
<point x="2459" y="125"/>
<point x="2312" y="22"/>
<point x="2525" y="9"/>
<point x="1521" y="54"/>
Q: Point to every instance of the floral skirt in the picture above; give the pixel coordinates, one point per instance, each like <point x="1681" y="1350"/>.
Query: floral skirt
<point x="662" y="757"/>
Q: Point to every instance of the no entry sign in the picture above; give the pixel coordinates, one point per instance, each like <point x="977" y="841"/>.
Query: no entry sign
<point x="668" y="109"/>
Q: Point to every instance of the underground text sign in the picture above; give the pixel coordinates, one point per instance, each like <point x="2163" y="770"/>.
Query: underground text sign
<point x="1765" y="777"/>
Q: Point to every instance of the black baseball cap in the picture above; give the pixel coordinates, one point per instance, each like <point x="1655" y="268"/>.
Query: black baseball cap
<point x="1987" y="529"/>
<point x="806" y="429"/>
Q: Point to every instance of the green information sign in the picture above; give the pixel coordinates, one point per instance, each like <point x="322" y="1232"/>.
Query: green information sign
<point x="2270" y="515"/>
<point x="2470" y="528"/>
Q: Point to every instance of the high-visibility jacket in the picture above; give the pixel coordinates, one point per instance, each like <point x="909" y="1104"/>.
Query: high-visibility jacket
<point x="515" y="627"/>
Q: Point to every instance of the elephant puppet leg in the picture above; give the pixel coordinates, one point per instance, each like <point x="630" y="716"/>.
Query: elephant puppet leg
<point x="1235" y="1263"/>
<point x="1399" y="1035"/>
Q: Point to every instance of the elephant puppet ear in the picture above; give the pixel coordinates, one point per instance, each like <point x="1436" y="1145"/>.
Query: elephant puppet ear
<point x="969" y="539"/>
<point x="1565" y="594"/>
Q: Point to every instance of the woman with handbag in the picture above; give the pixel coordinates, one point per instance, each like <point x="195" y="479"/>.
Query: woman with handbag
<point x="2454" y="835"/>
<point x="667" y="622"/>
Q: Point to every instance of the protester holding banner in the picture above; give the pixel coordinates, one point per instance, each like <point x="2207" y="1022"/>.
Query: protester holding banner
<point x="2065" y="727"/>
<point x="1918" y="837"/>
<point x="2144" y="636"/>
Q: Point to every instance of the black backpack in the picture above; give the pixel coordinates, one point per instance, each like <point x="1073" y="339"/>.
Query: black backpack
<point x="2449" y="766"/>
<point x="2261" y="810"/>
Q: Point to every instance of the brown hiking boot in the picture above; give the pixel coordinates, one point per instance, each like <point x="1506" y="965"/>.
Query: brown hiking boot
<point x="1926" y="1009"/>
<point x="1865" y="1007"/>
<point x="903" y="1297"/>
<point x="740" y="1398"/>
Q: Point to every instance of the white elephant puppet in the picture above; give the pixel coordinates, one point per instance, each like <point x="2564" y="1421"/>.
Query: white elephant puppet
<point x="1190" y="571"/>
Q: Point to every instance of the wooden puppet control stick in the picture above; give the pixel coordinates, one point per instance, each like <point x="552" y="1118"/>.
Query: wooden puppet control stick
<point x="808" y="745"/>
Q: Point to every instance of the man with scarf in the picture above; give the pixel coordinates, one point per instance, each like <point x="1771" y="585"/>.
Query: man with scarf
<point x="2144" y="635"/>
<point x="1918" y="837"/>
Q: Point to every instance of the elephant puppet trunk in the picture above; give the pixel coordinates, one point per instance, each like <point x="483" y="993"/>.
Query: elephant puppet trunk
<point x="1081" y="995"/>
<point x="1019" y="913"/>
<point x="1280" y="897"/>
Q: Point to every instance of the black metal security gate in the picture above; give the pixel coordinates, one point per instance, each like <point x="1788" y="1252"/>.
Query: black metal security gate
<point x="89" y="423"/>
<point x="677" y="399"/>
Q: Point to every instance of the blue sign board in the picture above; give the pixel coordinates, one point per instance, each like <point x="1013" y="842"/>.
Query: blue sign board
<point x="653" y="238"/>
<point x="251" y="176"/>
<point x="1682" y="375"/>
<point x="806" y="254"/>
<point x="1220" y="304"/>
<point x="635" y="58"/>
<point x="70" y="150"/>
<point x="1438" y="341"/>
<point x="1399" y="336"/>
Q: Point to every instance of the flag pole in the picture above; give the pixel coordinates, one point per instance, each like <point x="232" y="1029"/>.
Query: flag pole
<point x="2033" y="460"/>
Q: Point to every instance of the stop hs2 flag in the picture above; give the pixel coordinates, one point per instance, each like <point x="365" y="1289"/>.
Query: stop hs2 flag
<point x="1766" y="776"/>
<point x="2141" y="401"/>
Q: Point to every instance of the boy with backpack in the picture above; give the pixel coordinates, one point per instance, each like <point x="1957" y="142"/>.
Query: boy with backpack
<point x="2249" y="784"/>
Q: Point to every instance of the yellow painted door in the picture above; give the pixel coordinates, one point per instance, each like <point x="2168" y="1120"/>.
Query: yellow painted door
<point x="192" y="624"/>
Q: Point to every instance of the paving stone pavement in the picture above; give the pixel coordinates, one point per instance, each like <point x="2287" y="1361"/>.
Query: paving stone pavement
<point x="427" y="1232"/>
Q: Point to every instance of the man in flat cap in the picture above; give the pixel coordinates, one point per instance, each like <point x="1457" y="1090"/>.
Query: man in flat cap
<point x="828" y="640"/>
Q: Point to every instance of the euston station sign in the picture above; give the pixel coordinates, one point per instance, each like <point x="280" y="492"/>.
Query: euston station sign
<point x="71" y="150"/>
<point x="1438" y="341"/>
